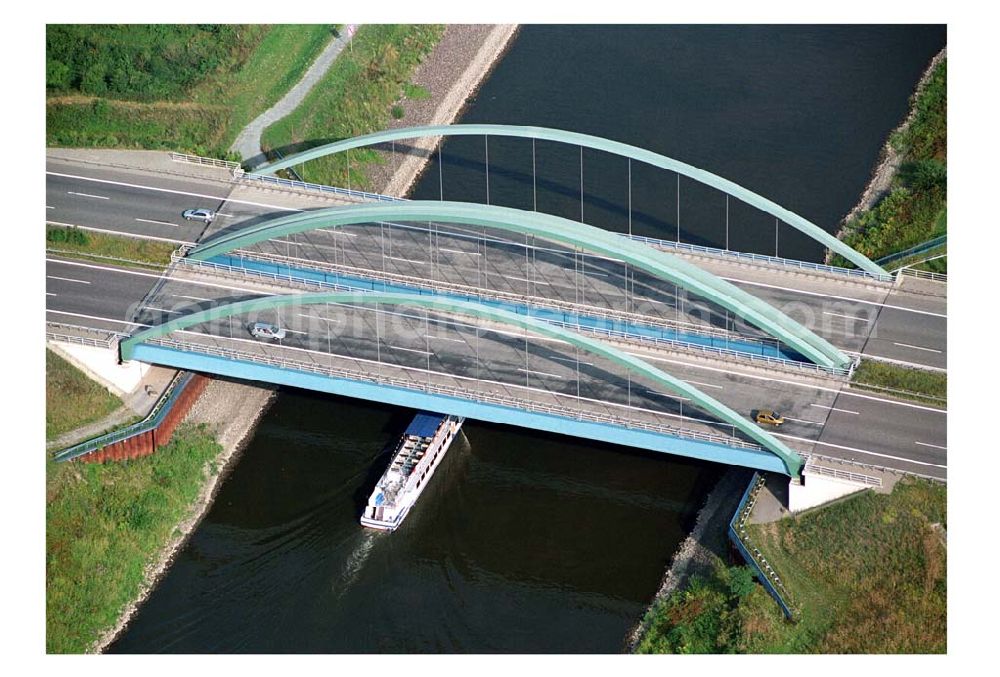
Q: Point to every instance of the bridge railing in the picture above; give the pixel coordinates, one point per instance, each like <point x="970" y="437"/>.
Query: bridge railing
<point x="264" y="179"/>
<point x="454" y="391"/>
<point x="761" y="258"/>
<point x="923" y="274"/>
<point x="810" y="468"/>
<point x="206" y="161"/>
<point x="152" y="420"/>
<point x="740" y="538"/>
<point x="86" y="336"/>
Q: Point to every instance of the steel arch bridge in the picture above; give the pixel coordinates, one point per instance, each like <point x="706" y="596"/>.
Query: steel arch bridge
<point x="596" y="143"/>
<point x="552" y="228"/>
<point x="790" y="460"/>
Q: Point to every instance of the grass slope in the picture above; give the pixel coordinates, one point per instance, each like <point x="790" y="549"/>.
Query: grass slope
<point x="105" y="523"/>
<point x="184" y="87"/>
<point x="75" y="243"/>
<point x="906" y="382"/>
<point x="71" y="398"/>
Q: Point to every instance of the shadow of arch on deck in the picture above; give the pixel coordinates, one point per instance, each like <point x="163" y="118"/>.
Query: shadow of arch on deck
<point x="553" y="228"/>
<point x="596" y="143"/>
<point x="792" y="461"/>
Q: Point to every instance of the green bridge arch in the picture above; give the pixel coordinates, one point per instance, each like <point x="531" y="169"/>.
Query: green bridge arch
<point x="792" y="461"/>
<point x="596" y="143"/>
<point x="554" y="228"/>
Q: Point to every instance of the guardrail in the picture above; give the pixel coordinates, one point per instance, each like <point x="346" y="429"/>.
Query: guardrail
<point x="923" y="274"/>
<point x="753" y="556"/>
<point x="317" y="187"/>
<point x="70" y="333"/>
<point x="152" y="420"/>
<point x="916" y="249"/>
<point x="761" y="258"/>
<point x="809" y="367"/>
<point x="235" y="167"/>
<point x="453" y="391"/>
<point x="837" y="473"/>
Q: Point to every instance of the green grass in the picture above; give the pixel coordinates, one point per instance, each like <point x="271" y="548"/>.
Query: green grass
<point x="935" y="266"/>
<point x="121" y="248"/>
<point x="915" y="210"/>
<point x="355" y="97"/>
<point x="918" y="385"/>
<point x="105" y="523"/>
<point x="71" y="398"/>
<point x="867" y="575"/>
<point x="198" y="109"/>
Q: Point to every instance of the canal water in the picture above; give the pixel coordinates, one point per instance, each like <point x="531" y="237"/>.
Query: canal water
<point x="526" y="542"/>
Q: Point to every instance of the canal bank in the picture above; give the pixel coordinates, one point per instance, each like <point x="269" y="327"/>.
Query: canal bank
<point x="890" y="157"/>
<point x="230" y="410"/>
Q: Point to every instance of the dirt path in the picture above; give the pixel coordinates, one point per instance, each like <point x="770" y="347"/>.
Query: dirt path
<point x="247" y="144"/>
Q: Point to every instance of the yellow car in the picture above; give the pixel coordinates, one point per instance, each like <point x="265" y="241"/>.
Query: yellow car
<point x="769" y="417"/>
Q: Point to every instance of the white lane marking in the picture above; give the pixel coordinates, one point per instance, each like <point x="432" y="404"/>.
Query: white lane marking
<point x="792" y="383"/>
<point x="125" y="271"/>
<point x="94" y="317"/>
<point x="459" y="251"/>
<point x="860" y="451"/>
<point x="221" y="214"/>
<point x="400" y="258"/>
<point x="571" y="360"/>
<point x="120" y="232"/>
<point x="317" y="317"/>
<point x="849" y="317"/>
<point x="66" y="279"/>
<point x="447" y="338"/>
<point x="48" y="293"/>
<point x="832" y="296"/>
<point x="520" y="336"/>
<point x="935" y="446"/>
<point x="698" y="383"/>
<point x="96" y="197"/>
<point x="845" y="411"/>
<point x="193" y="298"/>
<point x="48" y="207"/>
<point x="907" y="345"/>
<point x="295" y="331"/>
<point x="411" y="350"/>
<point x="540" y="373"/>
<point x="175" y="192"/>
<point x="162" y="310"/>
<point x="802" y="420"/>
<point x="670" y="395"/>
<point x="160" y="223"/>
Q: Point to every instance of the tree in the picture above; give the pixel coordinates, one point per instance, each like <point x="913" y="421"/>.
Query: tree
<point x="741" y="581"/>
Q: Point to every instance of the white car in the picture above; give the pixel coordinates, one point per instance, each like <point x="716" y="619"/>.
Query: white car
<point x="206" y="215"/>
<point x="263" y="330"/>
